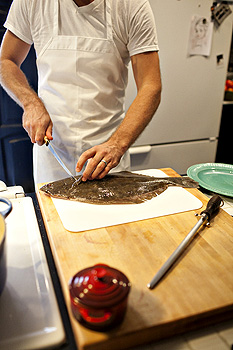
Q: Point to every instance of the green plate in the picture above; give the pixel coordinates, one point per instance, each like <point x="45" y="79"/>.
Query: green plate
<point x="215" y="177"/>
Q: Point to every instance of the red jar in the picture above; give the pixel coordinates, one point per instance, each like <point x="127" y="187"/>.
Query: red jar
<point x="99" y="296"/>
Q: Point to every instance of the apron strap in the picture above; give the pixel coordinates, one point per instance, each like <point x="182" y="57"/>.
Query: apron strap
<point x="56" y="19"/>
<point x="109" y="20"/>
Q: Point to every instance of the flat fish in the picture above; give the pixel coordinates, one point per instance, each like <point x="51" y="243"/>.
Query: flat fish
<point x="116" y="188"/>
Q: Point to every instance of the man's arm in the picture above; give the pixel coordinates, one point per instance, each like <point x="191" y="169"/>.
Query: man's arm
<point x="147" y="77"/>
<point x="36" y="119"/>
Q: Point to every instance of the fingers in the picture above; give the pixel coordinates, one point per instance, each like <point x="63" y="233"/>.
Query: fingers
<point x="84" y="157"/>
<point x="49" y="131"/>
<point x="100" y="160"/>
<point x="42" y="132"/>
<point x="37" y="123"/>
<point x="95" y="167"/>
<point x="101" y="169"/>
<point x="39" y="138"/>
<point x="103" y="173"/>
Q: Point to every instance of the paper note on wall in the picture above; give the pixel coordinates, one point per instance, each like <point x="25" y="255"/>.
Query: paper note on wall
<point x="200" y="38"/>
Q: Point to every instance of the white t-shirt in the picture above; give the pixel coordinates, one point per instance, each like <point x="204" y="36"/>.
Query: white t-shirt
<point x="132" y="21"/>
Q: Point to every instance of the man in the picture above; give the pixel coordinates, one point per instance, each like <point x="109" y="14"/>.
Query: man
<point x="83" y="49"/>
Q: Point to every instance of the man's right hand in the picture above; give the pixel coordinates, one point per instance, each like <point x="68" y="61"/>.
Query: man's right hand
<point x="37" y="122"/>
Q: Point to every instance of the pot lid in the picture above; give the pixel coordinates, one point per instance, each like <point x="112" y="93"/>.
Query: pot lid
<point x="99" y="286"/>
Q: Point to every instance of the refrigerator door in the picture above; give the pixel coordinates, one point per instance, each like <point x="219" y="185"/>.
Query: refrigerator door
<point x="178" y="156"/>
<point x="193" y="86"/>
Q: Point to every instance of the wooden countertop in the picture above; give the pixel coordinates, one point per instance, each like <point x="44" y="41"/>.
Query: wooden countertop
<point x="197" y="291"/>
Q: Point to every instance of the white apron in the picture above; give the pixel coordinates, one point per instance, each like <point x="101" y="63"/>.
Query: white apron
<point x="82" y="83"/>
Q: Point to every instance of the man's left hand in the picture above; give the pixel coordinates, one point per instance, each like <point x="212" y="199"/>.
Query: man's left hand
<point x="101" y="159"/>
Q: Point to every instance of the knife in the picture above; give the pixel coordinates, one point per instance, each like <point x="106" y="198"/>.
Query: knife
<point x="212" y="206"/>
<point x="48" y="144"/>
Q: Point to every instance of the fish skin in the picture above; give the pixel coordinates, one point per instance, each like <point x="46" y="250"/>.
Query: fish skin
<point x="116" y="188"/>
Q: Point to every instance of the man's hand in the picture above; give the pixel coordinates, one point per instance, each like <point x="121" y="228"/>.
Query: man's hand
<point x="37" y="123"/>
<point x="101" y="159"/>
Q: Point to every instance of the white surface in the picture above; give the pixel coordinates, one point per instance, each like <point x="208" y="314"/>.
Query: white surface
<point x="12" y="192"/>
<point x="2" y="186"/>
<point x="29" y="314"/>
<point x="77" y="216"/>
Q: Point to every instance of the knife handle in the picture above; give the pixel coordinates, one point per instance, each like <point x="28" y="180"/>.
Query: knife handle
<point x="46" y="140"/>
<point x="212" y="206"/>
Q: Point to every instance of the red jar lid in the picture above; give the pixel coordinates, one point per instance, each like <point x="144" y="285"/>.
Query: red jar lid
<point x="99" y="286"/>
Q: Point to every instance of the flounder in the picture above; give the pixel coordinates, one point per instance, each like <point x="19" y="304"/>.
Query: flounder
<point x="116" y="188"/>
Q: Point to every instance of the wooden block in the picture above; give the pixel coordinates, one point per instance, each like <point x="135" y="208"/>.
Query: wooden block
<point x="197" y="291"/>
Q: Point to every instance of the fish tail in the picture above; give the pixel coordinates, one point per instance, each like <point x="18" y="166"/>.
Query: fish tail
<point x="183" y="181"/>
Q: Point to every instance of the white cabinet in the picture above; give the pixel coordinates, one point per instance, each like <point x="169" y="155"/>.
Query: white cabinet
<point x="179" y="156"/>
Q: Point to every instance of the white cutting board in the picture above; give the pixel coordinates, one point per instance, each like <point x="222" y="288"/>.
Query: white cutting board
<point x="77" y="216"/>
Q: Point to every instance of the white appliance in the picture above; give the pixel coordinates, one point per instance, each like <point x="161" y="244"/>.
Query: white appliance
<point x="29" y="314"/>
<point x="184" y="130"/>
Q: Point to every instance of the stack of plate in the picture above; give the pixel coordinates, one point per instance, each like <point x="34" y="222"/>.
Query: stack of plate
<point x="215" y="177"/>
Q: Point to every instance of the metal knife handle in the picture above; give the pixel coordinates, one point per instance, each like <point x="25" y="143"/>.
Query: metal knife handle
<point x="212" y="206"/>
<point x="46" y="140"/>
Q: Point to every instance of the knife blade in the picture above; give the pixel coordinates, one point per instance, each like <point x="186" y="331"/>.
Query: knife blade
<point x="48" y="144"/>
<point x="212" y="206"/>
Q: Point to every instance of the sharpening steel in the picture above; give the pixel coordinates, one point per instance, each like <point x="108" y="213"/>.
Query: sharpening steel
<point x="206" y="215"/>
